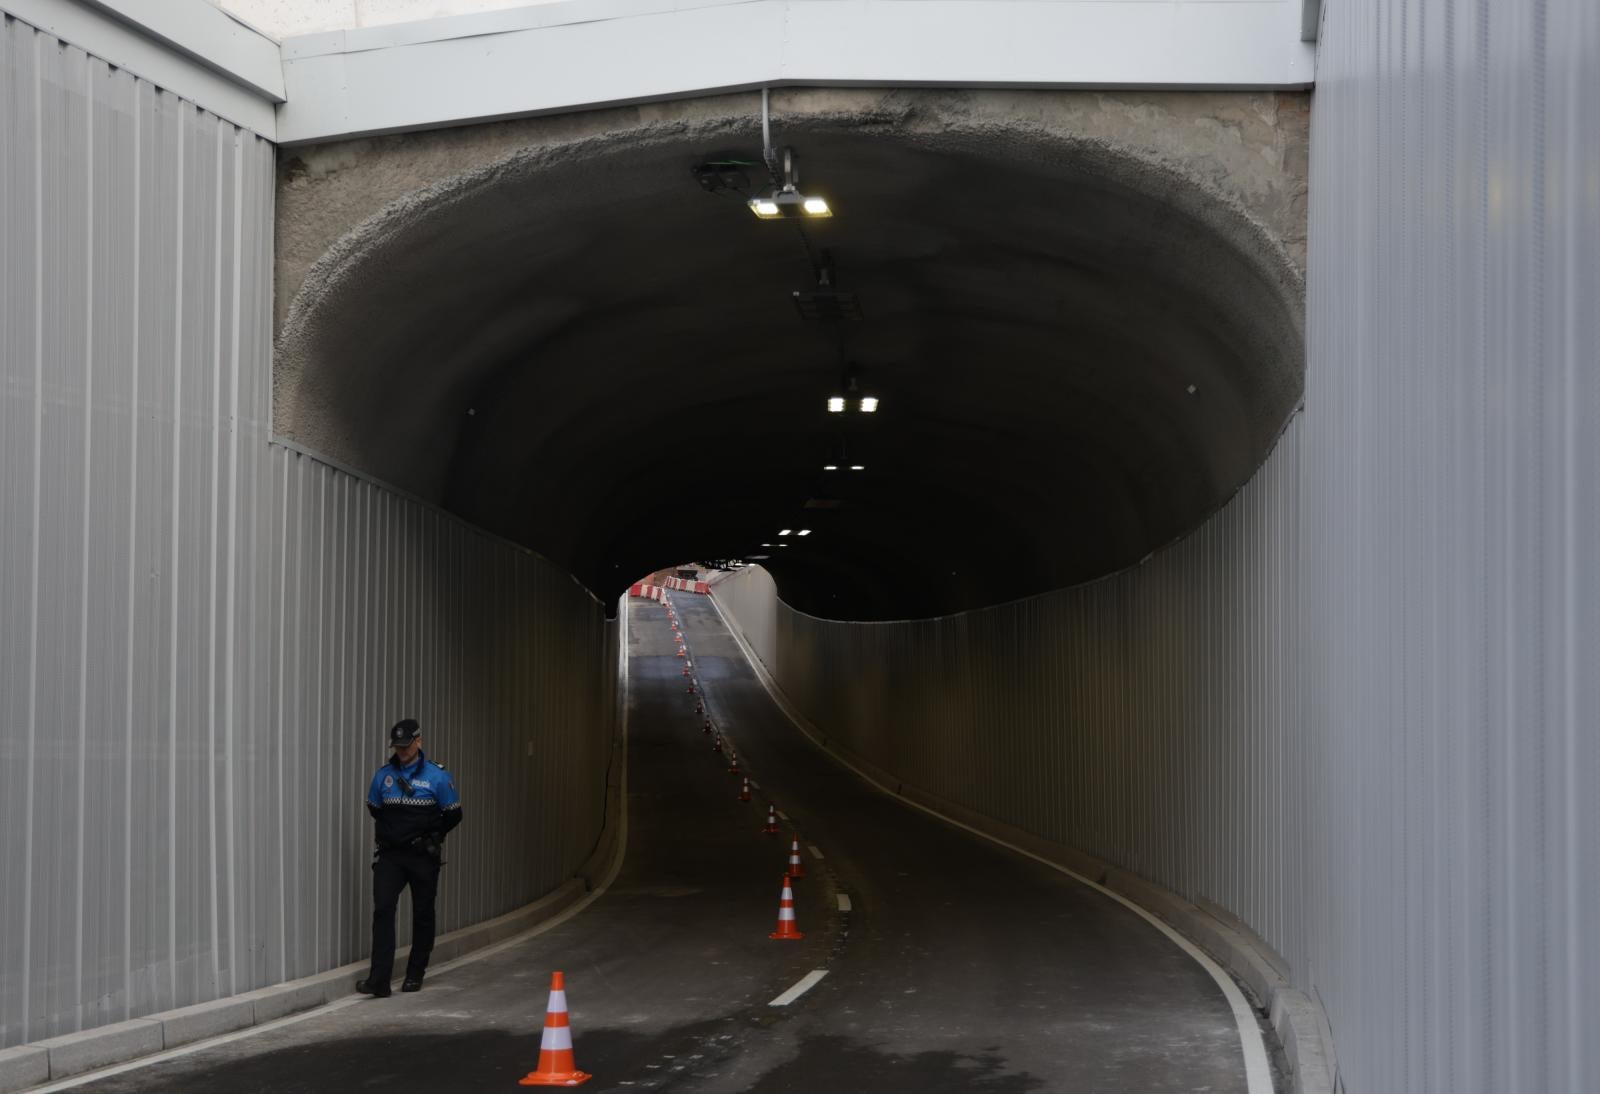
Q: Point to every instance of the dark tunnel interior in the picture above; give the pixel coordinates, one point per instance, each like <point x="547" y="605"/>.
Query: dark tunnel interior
<point x="1078" y="356"/>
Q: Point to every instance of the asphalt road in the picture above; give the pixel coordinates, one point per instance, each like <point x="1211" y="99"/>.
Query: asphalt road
<point x="960" y="966"/>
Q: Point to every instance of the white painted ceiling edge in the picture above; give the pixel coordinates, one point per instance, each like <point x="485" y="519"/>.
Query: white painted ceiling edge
<point x="569" y="55"/>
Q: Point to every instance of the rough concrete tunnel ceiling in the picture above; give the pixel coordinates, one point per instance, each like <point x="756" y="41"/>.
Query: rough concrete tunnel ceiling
<point x="585" y="352"/>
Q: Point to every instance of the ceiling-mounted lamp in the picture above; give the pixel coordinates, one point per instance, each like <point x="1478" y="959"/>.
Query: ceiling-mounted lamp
<point x="851" y="398"/>
<point x="786" y="200"/>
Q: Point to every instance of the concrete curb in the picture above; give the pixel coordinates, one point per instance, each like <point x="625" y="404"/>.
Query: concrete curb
<point x="75" y="1053"/>
<point x="23" y="1066"/>
<point x="1299" y="1021"/>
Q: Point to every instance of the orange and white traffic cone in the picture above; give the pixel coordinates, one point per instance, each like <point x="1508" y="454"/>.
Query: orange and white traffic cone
<point x="691" y="687"/>
<point x="707" y="729"/>
<point x="681" y="653"/>
<point x="744" y="795"/>
<point x="686" y="670"/>
<point x="699" y="708"/>
<point x="716" y="743"/>
<point x="786" y="923"/>
<point x="797" y="869"/>
<point x="771" y="827"/>
<point x="556" y="1065"/>
<point x="733" y="762"/>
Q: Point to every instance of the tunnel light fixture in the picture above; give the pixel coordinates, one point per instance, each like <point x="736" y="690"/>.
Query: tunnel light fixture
<point x="830" y="467"/>
<point x="786" y="532"/>
<point x="857" y="467"/>
<point x="850" y="396"/>
<point x="803" y="532"/>
<point x="785" y="200"/>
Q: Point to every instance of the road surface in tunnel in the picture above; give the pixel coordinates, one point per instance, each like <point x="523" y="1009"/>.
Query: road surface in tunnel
<point x="959" y="966"/>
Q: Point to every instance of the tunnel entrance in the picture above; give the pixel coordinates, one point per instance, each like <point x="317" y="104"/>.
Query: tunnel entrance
<point x="1081" y="350"/>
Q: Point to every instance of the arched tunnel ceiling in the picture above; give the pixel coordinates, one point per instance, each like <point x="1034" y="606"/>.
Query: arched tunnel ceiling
<point x="1079" y="355"/>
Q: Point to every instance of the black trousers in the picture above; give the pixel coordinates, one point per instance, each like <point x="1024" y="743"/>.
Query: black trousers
<point x="393" y="871"/>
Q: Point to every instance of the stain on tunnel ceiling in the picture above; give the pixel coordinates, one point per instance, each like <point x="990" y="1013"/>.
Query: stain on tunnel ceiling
<point x="1080" y="355"/>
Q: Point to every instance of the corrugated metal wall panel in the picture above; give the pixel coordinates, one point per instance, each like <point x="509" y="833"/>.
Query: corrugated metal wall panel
<point x="204" y="636"/>
<point x="1358" y="706"/>
<point x="1451" y="506"/>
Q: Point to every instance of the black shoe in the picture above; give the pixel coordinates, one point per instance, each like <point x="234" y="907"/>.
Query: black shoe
<point x="413" y="983"/>
<point x="377" y="991"/>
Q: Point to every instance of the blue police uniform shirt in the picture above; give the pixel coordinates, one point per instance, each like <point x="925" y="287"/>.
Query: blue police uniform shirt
<point x="409" y="801"/>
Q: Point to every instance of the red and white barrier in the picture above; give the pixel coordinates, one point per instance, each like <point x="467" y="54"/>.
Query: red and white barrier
<point x="654" y="592"/>
<point x="686" y="585"/>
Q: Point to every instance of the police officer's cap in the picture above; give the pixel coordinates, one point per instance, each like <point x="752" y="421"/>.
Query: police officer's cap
<point x="404" y="732"/>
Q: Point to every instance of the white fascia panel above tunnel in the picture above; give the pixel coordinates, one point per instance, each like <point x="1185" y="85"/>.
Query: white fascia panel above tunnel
<point x="580" y="54"/>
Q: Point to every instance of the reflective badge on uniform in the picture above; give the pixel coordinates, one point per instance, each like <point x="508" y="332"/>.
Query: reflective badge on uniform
<point x="388" y="781"/>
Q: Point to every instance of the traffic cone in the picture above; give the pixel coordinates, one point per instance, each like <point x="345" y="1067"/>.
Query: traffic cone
<point x="716" y="743"/>
<point x="797" y="869"/>
<point x="707" y="729"/>
<point x="686" y="670"/>
<point x="691" y="687"/>
<point x="771" y="827"/>
<point x="733" y="762"/>
<point x="786" y="928"/>
<point x="556" y="1065"/>
<point x="744" y="795"/>
<point x="681" y="653"/>
<point x="699" y="708"/>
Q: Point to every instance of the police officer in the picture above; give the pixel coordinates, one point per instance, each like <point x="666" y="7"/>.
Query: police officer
<point x="416" y="805"/>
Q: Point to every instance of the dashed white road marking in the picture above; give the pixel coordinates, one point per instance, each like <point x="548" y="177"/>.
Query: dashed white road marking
<point x="805" y="984"/>
<point x="782" y="815"/>
<point x="844" y="903"/>
<point x="813" y="849"/>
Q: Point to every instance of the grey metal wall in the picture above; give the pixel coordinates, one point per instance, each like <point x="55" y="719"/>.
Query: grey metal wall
<point x="1451" y="516"/>
<point x="204" y="635"/>
<point x="1360" y="707"/>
